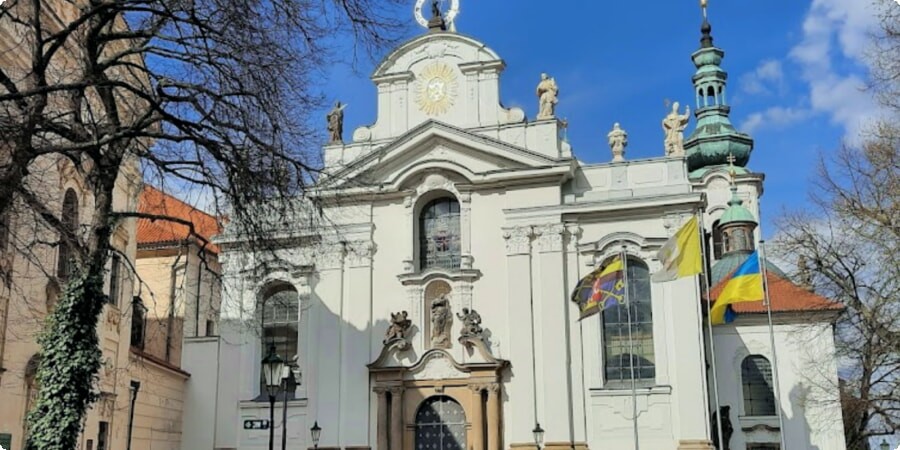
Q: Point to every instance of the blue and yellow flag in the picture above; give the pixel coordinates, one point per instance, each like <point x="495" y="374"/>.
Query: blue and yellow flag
<point x="745" y="285"/>
<point x="601" y="289"/>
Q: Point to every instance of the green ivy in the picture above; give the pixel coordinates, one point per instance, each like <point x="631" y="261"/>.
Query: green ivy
<point x="70" y="363"/>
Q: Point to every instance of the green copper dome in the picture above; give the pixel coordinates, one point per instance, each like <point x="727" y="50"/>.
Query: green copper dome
<point x="730" y="262"/>
<point x="714" y="137"/>
<point x="736" y="213"/>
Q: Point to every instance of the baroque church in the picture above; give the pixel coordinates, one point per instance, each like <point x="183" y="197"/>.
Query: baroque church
<point x="435" y="313"/>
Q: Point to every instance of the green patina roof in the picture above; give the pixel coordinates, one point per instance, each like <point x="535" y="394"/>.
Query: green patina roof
<point x="701" y="172"/>
<point x="714" y="138"/>
<point x="736" y="213"/>
<point x="730" y="262"/>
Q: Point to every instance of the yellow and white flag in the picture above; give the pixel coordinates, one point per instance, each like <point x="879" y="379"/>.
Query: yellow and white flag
<point x="680" y="256"/>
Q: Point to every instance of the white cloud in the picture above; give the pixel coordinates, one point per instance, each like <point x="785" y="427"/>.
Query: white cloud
<point x="834" y="92"/>
<point x="767" y="76"/>
<point x="774" y="117"/>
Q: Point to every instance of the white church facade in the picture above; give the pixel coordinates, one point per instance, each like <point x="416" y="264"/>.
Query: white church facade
<point x="474" y="223"/>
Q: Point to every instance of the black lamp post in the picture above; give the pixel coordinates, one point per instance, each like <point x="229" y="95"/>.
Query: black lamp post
<point x="538" y="435"/>
<point x="315" y="432"/>
<point x="273" y="369"/>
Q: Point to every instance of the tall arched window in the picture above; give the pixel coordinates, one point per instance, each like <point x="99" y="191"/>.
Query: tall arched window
<point x="756" y="378"/>
<point x="717" y="241"/>
<point x="439" y="235"/>
<point x="620" y="352"/>
<point x="69" y="220"/>
<point x="280" y="323"/>
<point x="440" y="425"/>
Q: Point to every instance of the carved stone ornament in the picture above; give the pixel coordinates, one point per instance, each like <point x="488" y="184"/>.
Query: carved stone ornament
<point x="518" y="240"/>
<point x="550" y="237"/>
<point x="441" y="322"/>
<point x="618" y="140"/>
<point x="673" y="126"/>
<point x="439" y="367"/>
<point x="471" y="323"/>
<point x="399" y="328"/>
<point x="436" y="88"/>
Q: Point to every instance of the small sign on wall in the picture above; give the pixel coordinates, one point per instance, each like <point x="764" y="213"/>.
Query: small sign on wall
<point x="256" y="424"/>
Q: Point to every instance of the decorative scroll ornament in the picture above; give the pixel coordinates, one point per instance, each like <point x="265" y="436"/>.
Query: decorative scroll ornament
<point x="436" y="88"/>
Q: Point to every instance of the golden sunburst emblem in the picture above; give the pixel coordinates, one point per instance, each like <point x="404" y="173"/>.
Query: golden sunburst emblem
<point x="436" y="89"/>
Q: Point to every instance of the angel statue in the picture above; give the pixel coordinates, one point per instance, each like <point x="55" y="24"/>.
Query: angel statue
<point x="335" y="119"/>
<point x="399" y="327"/>
<point x="547" y="92"/>
<point x="674" y="125"/>
<point x="471" y="323"/>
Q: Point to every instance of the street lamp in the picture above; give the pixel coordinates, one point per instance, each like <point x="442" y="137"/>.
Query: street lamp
<point x="273" y="368"/>
<point x="315" y="431"/>
<point x="538" y="435"/>
<point x="884" y="445"/>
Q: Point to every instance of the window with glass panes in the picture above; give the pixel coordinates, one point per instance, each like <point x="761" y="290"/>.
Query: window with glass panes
<point x="439" y="234"/>
<point x="280" y="322"/>
<point x="756" y="378"/>
<point x="620" y="352"/>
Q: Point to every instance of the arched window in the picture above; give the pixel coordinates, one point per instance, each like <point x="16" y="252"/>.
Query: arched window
<point x="440" y="425"/>
<point x="620" y="352"/>
<point x="718" y="245"/>
<point x="280" y="323"/>
<point x="439" y="235"/>
<point x="69" y="220"/>
<point x="756" y="378"/>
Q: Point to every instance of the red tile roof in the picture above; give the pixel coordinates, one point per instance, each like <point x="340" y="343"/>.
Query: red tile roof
<point x="785" y="297"/>
<point x="151" y="233"/>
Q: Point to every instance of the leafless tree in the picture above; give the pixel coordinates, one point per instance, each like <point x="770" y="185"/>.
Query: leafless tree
<point x="852" y="248"/>
<point x="216" y="95"/>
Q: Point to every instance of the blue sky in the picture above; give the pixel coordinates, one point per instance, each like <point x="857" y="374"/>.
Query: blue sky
<point x="796" y="74"/>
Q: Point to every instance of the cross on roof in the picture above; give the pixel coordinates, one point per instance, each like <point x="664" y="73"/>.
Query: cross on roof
<point x="731" y="159"/>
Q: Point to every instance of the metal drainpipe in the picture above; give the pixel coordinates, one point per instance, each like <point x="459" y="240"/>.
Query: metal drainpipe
<point x="135" y="387"/>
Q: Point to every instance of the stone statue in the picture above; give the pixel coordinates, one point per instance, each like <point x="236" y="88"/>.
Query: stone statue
<point x="471" y="323"/>
<point x="336" y="124"/>
<point x="618" y="140"/>
<point x="441" y="322"/>
<point x="547" y="92"/>
<point x="435" y="8"/>
<point x="727" y="428"/>
<point x="399" y="327"/>
<point x="674" y="125"/>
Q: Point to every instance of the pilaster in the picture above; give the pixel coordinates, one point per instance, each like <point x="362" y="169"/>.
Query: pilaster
<point x="477" y="418"/>
<point x="396" y="437"/>
<point x="356" y="311"/>
<point x="493" y="417"/>
<point x="382" y="431"/>
<point x="521" y="331"/>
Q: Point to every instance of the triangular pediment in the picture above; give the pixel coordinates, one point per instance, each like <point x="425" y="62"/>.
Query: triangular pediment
<point x="433" y="144"/>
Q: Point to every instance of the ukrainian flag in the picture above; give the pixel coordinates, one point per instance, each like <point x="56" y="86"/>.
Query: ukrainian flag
<point x="745" y="285"/>
<point x="601" y="289"/>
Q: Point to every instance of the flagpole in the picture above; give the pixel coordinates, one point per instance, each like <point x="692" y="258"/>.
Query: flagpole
<point x="762" y="267"/>
<point x="712" y="345"/>
<point x="627" y="305"/>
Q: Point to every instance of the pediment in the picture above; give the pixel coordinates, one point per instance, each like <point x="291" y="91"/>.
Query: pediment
<point x="436" y="145"/>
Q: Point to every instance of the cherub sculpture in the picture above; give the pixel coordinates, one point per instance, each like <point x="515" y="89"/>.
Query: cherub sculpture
<point x="471" y="323"/>
<point x="399" y="327"/>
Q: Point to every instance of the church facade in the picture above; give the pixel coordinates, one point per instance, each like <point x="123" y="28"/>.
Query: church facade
<point x="435" y="311"/>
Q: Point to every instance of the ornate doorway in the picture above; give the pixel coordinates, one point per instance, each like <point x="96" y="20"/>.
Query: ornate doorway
<point x="440" y="425"/>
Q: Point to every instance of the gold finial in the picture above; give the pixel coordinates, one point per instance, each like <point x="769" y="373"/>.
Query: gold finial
<point x="703" y="5"/>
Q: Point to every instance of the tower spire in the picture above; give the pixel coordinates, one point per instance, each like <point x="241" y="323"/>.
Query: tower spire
<point x="715" y="138"/>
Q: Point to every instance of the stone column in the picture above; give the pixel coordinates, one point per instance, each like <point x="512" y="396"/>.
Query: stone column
<point x="493" y="416"/>
<point x="477" y="418"/>
<point x="397" y="418"/>
<point x="521" y="329"/>
<point x="382" y="418"/>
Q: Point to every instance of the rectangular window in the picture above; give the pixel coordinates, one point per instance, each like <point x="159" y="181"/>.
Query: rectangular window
<point x="628" y="333"/>
<point x="102" y="436"/>
<point x="114" y="280"/>
<point x="138" y="323"/>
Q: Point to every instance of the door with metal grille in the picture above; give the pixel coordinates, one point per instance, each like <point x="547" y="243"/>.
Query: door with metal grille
<point x="440" y="425"/>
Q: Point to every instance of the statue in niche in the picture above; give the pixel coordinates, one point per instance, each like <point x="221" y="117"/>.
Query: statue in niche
<point x="335" y="119"/>
<point x="399" y="327"/>
<point x="441" y="322"/>
<point x="471" y="323"/>
<point x="547" y="92"/>
<point x="618" y="140"/>
<point x="727" y="428"/>
<point x="674" y="125"/>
